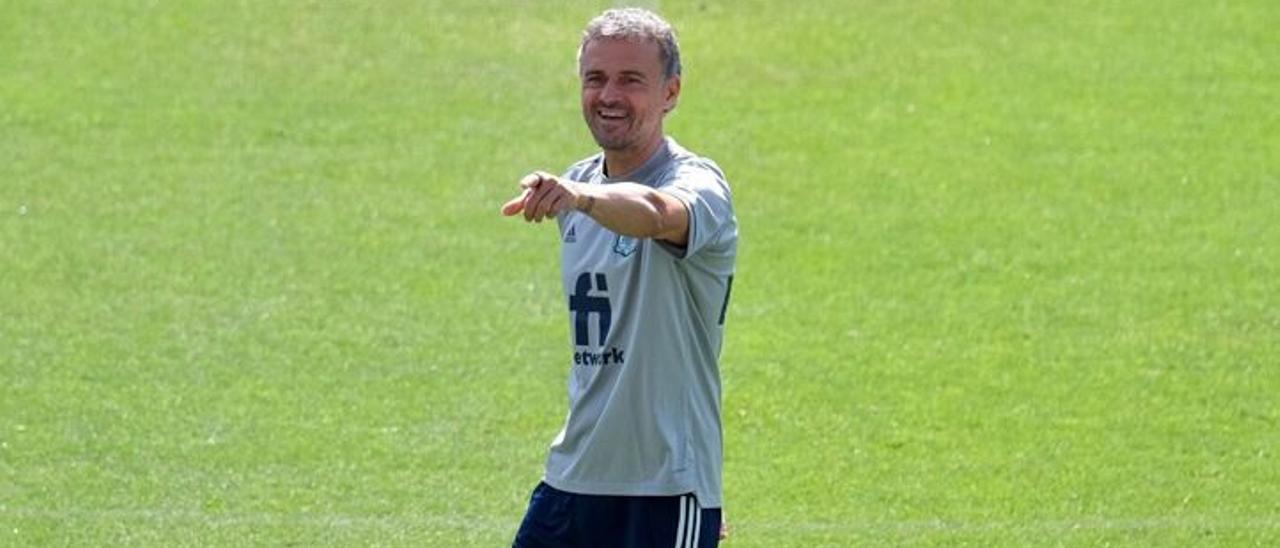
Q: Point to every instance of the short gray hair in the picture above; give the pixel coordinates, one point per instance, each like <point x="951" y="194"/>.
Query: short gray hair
<point x="636" y="24"/>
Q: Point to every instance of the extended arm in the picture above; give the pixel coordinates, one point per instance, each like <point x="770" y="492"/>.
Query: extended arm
<point x="629" y="209"/>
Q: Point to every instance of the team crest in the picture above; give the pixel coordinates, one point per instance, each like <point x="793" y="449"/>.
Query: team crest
<point x="625" y="245"/>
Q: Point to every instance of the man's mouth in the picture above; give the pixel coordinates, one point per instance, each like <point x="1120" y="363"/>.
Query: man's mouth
<point x="611" y="114"/>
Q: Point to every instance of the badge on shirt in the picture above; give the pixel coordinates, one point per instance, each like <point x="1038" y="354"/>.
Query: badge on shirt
<point x="625" y="245"/>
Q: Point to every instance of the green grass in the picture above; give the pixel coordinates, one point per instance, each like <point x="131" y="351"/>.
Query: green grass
<point x="1009" y="270"/>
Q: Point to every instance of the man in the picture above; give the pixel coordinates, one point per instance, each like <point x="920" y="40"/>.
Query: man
<point x="649" y="241"/>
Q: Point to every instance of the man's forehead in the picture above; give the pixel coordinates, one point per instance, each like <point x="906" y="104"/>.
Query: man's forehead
<point x="619" y="53"/>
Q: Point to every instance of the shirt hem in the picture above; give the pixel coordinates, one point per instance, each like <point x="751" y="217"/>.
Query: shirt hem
<point x="629" y="490"/>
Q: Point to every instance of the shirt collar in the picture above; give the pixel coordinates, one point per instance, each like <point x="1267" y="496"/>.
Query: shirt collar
<point x="648" y="169"/>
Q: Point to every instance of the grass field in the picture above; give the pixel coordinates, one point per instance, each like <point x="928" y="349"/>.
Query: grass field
<point x="1010" y="271"/>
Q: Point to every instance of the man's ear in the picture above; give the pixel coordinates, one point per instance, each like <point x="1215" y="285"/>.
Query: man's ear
<point x="673" y="94"/>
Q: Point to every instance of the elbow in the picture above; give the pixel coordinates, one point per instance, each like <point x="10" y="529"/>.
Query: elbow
<point x="660" y="218"/>
<point x="670" y="220"/>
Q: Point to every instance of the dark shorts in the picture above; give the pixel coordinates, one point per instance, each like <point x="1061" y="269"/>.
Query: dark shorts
<point x="557" y="519"/>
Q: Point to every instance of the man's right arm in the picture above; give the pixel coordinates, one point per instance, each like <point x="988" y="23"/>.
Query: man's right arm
<point x="629" y="209"/>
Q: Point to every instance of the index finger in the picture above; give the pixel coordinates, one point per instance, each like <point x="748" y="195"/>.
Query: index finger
<point x="516" y="205"/>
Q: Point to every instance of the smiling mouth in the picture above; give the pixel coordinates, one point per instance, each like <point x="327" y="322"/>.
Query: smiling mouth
<point x="611" y="115"/>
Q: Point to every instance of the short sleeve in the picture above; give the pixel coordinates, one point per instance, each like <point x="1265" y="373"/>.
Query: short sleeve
<point x="702" y="187"/>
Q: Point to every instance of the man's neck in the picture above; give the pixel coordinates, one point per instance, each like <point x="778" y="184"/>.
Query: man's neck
<point x="622" y="162"/>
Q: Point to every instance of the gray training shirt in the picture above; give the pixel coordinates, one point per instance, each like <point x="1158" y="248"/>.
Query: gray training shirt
<point x="646" y="323"/>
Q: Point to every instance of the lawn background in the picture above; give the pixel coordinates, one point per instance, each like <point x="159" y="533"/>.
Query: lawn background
<point x="1008" y="276"/>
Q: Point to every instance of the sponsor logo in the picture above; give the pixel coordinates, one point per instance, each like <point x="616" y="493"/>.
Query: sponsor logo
<point x="572" y="235"/>
<point x="612" y="357"/>
<point x="590" y="298"/>
<point x="584" y="305"/>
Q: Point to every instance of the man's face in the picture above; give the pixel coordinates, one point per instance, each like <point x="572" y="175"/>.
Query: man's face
<point x="624" y="94"/>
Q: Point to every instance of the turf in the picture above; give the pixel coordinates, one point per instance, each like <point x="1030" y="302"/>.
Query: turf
<point x="1010" y="271"/>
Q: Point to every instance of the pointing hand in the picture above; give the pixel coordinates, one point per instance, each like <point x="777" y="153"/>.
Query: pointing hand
<point x="543" y="195"/>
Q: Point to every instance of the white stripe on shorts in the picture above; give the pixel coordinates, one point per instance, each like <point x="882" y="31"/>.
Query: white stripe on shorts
<point x="689" y="527"/>
<point x="697" y="522"/>
<point x="680" y="525"/>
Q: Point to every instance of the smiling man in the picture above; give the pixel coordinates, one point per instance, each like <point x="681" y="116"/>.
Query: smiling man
<point x="648" y="246"/>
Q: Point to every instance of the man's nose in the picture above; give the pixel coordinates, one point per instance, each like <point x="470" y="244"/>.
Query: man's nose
<point x="610" y="92"/>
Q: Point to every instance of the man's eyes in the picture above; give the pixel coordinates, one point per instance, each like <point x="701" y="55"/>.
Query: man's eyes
<point x="597" y="80"/>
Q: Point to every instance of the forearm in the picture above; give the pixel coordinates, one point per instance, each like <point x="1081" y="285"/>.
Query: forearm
<point x="634" y="210"/>
<point x="629" y="209"/>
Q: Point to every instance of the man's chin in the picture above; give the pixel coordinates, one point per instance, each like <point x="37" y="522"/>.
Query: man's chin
<point x="612" y="143"/>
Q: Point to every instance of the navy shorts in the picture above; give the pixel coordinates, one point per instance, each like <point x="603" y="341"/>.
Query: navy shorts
<point x="557" y="519"/>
